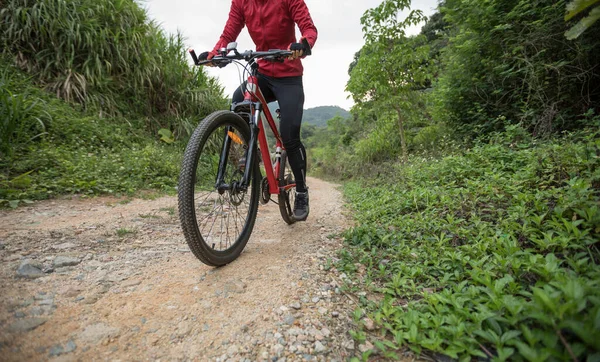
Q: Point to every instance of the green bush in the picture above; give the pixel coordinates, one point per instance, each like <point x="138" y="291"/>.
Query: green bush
<point x="50" y="148"/>
<point x="24" y="117"/>
<point x="511" y="58"/>
<point x="492" y="252"/>
<point x="117" y="80"/>
<point x="108" y="56"/>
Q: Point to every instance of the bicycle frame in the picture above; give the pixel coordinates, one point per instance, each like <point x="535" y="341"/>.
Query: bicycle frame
<point x="254" y="104"/>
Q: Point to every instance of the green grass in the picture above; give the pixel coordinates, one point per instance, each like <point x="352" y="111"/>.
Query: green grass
<point x="490" y="253"/>
<point x="86" y="86"/>
<point x="77" y="152"/>
<point x="108" y="56"/>
<point x="122" y="232"/>
<point x="169" y="210"/>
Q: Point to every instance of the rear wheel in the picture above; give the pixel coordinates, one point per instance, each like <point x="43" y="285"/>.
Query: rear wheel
<point x="217" y="220"/>
<point x="287" y="190"/>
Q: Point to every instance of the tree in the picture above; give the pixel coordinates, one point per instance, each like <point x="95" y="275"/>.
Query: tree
<point x="391" y="67"/>
<point x="508" y="62"/>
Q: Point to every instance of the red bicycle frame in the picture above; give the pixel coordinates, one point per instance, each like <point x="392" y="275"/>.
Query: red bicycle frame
<point x="253" y="94"/>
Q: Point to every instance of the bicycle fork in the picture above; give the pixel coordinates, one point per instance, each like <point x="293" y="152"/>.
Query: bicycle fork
<point x="220" y="184"/>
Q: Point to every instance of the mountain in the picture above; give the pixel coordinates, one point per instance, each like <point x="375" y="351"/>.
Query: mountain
<point x="320" y="115"/>
<point x="317" y="116"/>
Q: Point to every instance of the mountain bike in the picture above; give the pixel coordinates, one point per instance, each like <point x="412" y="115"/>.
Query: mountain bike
<point x="221" y="182"/>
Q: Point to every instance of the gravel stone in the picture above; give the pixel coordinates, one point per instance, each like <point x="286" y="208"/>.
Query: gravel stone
<point x="369" y="325"/>
<point x="232" y="350"/>
<point x="289" y="319"/>
<point x="365" y="347"/>
<point x="49" y="302"/>
<point x="277" y="349"/>
<point x="56" y="350"/>
<point x="348" y="344"/>
<point x="26" y="325"/>
<point x="95" y="333"/>
<point x="295" y="331"/>
<point x="70" y="346"/>
<point x="30" y="269"/>
<point x="319" y="347"/>
<point x="235" y="287"/>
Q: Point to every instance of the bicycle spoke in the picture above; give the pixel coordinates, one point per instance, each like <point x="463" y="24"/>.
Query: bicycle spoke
<point x="209" y="214"/>
<point x="209" y="234"/>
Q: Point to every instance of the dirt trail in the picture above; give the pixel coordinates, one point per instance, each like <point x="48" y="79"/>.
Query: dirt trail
<point x="99" y="279"/>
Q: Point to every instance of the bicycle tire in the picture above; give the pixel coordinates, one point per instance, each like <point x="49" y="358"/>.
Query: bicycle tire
<point x="194" y="179"/>
<point x="286" y="197"/>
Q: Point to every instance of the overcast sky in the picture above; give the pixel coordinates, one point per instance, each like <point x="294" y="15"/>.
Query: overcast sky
<point x="325" y="72"/>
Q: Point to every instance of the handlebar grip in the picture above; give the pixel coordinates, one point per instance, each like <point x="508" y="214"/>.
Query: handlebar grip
<point x="307" y="50"/>
<point x="194" y="57"/>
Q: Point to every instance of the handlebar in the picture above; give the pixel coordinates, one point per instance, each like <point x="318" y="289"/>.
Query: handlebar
<point x="222" y="60"/>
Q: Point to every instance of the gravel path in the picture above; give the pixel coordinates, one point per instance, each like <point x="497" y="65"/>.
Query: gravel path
<point x="103" y="279"/>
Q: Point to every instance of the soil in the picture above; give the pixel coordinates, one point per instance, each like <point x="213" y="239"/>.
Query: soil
<point x="113" y="279"/>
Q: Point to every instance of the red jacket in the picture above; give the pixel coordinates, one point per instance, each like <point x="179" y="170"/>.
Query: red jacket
<point x="271" y="24"/>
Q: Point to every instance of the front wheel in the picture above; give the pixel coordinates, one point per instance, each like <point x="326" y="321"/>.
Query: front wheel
<point x="217" y="216"/>
<point x="287" y="190"/>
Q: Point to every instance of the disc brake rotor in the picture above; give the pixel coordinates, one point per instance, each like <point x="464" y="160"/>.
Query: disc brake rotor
<point x="236" y="194"/>
<point x="265" y="193"/>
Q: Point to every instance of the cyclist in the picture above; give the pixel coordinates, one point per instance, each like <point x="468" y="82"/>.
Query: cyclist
<point x="271" y="25"/>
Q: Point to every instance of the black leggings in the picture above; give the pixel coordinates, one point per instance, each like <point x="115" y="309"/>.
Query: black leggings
<point x="289" y="93"/>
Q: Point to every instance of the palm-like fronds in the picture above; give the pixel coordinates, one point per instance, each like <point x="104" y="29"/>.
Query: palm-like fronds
<point x="106" y="55"/>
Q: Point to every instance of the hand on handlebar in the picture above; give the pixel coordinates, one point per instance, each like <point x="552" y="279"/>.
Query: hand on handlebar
<point x="297" y="50"/>
<point x="207" y="56"/>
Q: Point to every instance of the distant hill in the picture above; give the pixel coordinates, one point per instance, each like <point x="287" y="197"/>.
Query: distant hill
<point x="320" y="115"/>
<point x="317" y="116"/>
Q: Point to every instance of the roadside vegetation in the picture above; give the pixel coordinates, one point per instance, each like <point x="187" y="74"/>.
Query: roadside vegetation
<point x="94" y="98"/>
<point x="491" y="253"/>
<point x="471" y="162"/>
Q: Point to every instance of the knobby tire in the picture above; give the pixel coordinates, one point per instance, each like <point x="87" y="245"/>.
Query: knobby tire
<point x="188" y="203"/>
<point x="286" y="198"/>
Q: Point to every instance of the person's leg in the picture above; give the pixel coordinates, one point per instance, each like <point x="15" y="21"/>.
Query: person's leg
<point x="289" y="92"/>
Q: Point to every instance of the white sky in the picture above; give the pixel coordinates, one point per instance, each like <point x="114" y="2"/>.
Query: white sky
<point x="325" y="72"/>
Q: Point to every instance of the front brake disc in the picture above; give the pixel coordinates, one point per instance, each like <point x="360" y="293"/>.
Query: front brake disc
<point x="265" y="193"/>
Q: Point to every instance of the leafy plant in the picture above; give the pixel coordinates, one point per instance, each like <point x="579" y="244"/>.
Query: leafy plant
<point x="487" y="253"/>
<point x="511" y="59"/>
<point x="122" y="232"/>
<point x="23" y="116"/>
<point x="391" y="66"/>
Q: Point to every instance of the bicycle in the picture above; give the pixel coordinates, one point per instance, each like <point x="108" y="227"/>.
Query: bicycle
<point x="220" y="174"/>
